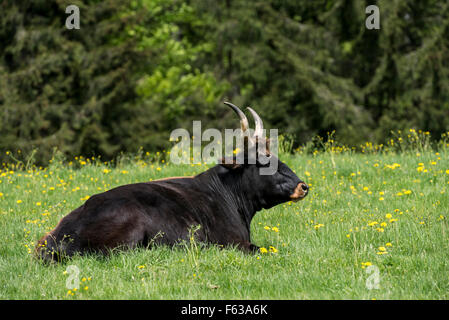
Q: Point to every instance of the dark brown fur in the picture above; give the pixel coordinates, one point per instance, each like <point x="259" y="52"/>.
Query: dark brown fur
<point x="222" y="200"/>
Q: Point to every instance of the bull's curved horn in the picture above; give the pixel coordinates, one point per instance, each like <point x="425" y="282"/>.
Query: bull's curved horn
<point x="258" y="131"/>
<point x="243" y="120"/>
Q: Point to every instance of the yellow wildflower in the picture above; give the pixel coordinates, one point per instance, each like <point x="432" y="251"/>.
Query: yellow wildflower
<point x="366" y="264"/>
<point x="317" y="226"/>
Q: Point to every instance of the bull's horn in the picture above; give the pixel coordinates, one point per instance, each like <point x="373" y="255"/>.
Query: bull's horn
<point x="243" y="120"/>
<point x="258" y="131"/>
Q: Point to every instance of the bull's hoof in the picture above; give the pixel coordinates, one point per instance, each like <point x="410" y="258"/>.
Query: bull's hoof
<point x="253" y="248"/>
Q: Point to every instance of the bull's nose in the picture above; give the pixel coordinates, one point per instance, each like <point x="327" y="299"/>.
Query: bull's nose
<point x="300" y="192"/>
<point x="304" y="187"/>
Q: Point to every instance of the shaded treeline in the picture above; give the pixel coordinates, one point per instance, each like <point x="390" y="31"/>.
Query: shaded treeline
<point x="138" y="69"/>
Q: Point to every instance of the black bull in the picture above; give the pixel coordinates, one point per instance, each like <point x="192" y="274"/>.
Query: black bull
<point x="222" y="200"/>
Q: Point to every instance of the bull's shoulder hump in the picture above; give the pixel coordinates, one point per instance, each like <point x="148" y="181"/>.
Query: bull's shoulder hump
<point x="180" y="185"/>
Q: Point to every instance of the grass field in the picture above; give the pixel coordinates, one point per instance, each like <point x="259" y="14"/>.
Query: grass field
<point x="369" y="216"/>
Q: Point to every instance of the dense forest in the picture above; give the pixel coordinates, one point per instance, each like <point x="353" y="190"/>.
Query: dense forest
<point x="136" y="70"/>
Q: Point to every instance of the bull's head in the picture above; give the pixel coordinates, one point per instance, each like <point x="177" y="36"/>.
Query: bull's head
<point x="270" y="189"/>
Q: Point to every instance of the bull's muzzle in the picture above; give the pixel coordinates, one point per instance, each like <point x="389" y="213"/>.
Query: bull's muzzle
<point x="300" y="192"/>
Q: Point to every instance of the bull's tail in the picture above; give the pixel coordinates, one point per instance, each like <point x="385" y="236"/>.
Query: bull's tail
<point x="47" y="249"/>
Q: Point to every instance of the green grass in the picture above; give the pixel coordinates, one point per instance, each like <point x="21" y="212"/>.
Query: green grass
<point x="323" y="243"/>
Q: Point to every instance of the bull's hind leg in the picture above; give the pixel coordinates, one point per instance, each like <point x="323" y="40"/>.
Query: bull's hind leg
<point x="52" y="249"/>
<point x="107" y="236"/>
<point x="248" y="247"/>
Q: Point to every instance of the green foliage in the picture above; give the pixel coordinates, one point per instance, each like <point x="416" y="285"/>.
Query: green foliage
<point x="173" y="88"/>
<point x="312" y="67"/>
<point x="63" y="88"/>
<point x="139" y="69"/>
<point x="118" y="83"/>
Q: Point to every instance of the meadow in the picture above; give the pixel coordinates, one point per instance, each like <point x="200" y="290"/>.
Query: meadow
<point x="374" y="226"/>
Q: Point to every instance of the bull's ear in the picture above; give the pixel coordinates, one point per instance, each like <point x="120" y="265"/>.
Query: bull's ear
<point x="230" y="163"/>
